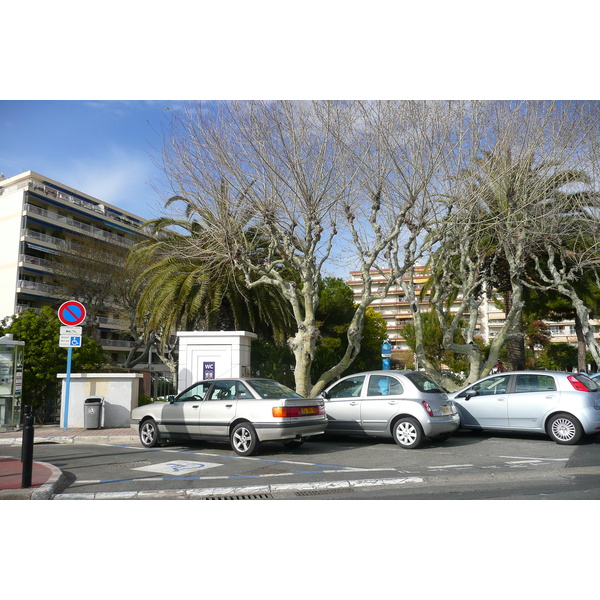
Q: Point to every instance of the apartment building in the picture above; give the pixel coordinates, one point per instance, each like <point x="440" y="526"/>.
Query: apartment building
<point x="42" y="219"/>
<point x="395" y="310"/>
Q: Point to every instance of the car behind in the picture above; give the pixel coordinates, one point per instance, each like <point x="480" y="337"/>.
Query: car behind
<point x="405" y="405"/>
<point x="565" y="406"/>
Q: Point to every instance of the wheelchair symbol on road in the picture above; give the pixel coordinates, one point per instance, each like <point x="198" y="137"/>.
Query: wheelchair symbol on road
<point x="181" y="467"/>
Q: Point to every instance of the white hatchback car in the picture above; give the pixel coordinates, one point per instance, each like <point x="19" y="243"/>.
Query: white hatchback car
<point x="563" y="405"/>
<point x="405" y="405"/>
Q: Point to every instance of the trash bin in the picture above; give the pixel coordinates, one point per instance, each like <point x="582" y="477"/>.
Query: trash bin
<point x="92" y="417"/>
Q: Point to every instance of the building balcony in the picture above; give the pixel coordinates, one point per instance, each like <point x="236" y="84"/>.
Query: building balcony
<point x="45" y="289"/>
<point x="79" y="227"/>
<point x="96" y="208"/>
<point x="34" y="261"/>
<point x="111" y="323"/>
<point x="116" y="344"/>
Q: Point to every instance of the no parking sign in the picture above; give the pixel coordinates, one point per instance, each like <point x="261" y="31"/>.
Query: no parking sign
<point x="71" y="313"/>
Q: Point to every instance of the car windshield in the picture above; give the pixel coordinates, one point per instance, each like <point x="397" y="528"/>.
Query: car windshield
<point x="267" y="388"/>
<point x="423" y="383"/>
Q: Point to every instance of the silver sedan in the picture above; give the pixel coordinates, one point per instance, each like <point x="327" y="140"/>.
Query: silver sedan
<point x="565" y="406"/>
<point x="405" y="405"/>
<point x="245" y="411"/>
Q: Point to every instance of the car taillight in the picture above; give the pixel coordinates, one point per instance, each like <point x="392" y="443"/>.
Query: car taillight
<point x="297" y="411"/>
<point x="578" y="385"/>
<point x="427" y="408"/>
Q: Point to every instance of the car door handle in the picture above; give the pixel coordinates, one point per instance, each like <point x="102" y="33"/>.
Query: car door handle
<point x="392" y="402"/>
<point x="228" y="405"/>
<point x="195" y="405"/>
<point x="353" y="403"/>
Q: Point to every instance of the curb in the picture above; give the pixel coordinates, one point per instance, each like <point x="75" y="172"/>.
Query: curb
<point x="43" y="492"/>
<point x="67" y="439"/>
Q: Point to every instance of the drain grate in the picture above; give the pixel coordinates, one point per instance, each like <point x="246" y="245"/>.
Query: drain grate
<point x="324" y="491"/>
<point x="239" y="497"/>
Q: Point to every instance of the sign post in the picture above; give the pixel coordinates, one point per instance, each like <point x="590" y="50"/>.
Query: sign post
<point x="71" y="314"/>
<point x="386" y="354"/>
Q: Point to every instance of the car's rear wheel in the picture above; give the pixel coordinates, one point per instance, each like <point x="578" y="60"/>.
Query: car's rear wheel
<point x="244" y="440"/>
<point x="565" y="429"/>
<point x="149" y="433"/>
<point x="408" y="433"/>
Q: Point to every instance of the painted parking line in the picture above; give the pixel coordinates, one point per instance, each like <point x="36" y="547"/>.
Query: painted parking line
<point x="246" y="458"/>
<point x="531" y="459"/>
<point x="451" y="467"/>
<point x="226" y="477"/>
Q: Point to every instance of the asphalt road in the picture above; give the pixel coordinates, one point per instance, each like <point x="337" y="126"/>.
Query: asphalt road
<point x="467" y="466"/>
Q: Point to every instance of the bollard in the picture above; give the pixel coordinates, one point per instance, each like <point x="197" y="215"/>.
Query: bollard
<point x="27" y="447"/>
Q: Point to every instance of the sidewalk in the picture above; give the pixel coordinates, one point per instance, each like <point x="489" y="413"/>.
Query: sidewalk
<point x="44" y="476"/>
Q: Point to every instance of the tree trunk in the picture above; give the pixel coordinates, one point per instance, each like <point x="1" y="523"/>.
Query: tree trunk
<point x="581" y="346"/>
<point x="516" y="342"/>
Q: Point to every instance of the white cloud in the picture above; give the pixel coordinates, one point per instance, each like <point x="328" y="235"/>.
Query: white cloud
<point x="120" y="177"/>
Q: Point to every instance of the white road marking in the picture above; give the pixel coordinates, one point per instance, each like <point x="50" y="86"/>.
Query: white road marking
<point x="450" y="467"/>
<point x="177" y="467"/>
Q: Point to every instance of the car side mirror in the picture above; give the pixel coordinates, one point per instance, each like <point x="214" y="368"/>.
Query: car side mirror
<point x="325" y="395"/>
<point x="171" y="399"/>
<point x="470" y="394"/>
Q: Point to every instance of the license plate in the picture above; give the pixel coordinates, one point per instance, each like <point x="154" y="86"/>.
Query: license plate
<point x="309" y="410"/>
<point x="446" y="410"/>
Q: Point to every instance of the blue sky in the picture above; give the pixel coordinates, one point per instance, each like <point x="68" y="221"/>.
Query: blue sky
<point x="106" y="149"/>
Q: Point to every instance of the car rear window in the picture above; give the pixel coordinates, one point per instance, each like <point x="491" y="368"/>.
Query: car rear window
<point x="267" y="388"/>
<point x="590" y="384"/>
<point x="423" y="383"/>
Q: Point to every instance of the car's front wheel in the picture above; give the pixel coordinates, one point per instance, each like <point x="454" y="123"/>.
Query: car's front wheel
<point x="149" y="433"/>
<point x="408" y="433"/>
<point x="244" y="439"/>
<point x="565" y="429"/>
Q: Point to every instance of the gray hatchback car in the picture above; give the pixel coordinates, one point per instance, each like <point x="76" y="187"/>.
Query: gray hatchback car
<point x="405" y="405"/>
<point x="565" y="406"/>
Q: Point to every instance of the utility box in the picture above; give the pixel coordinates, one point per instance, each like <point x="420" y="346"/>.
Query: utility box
<point x="92" y="416"/>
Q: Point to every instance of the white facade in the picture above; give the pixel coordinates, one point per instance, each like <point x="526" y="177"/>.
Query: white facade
<point x="213" y="354"/>
<point x="39" y="219"/>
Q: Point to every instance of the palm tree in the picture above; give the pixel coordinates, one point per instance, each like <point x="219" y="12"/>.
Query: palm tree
<point x="198" y="291"/>
<point x="513" y="196"/>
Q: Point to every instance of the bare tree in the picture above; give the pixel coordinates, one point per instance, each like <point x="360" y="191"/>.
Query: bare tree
<point x="316" y="179"/>
<point x="95" y="273"/>
<point x="520" y="200"/>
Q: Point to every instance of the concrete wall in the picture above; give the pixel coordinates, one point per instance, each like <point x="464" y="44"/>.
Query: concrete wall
<point x="199" y="351"/>
<point x="120" y="392"/>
